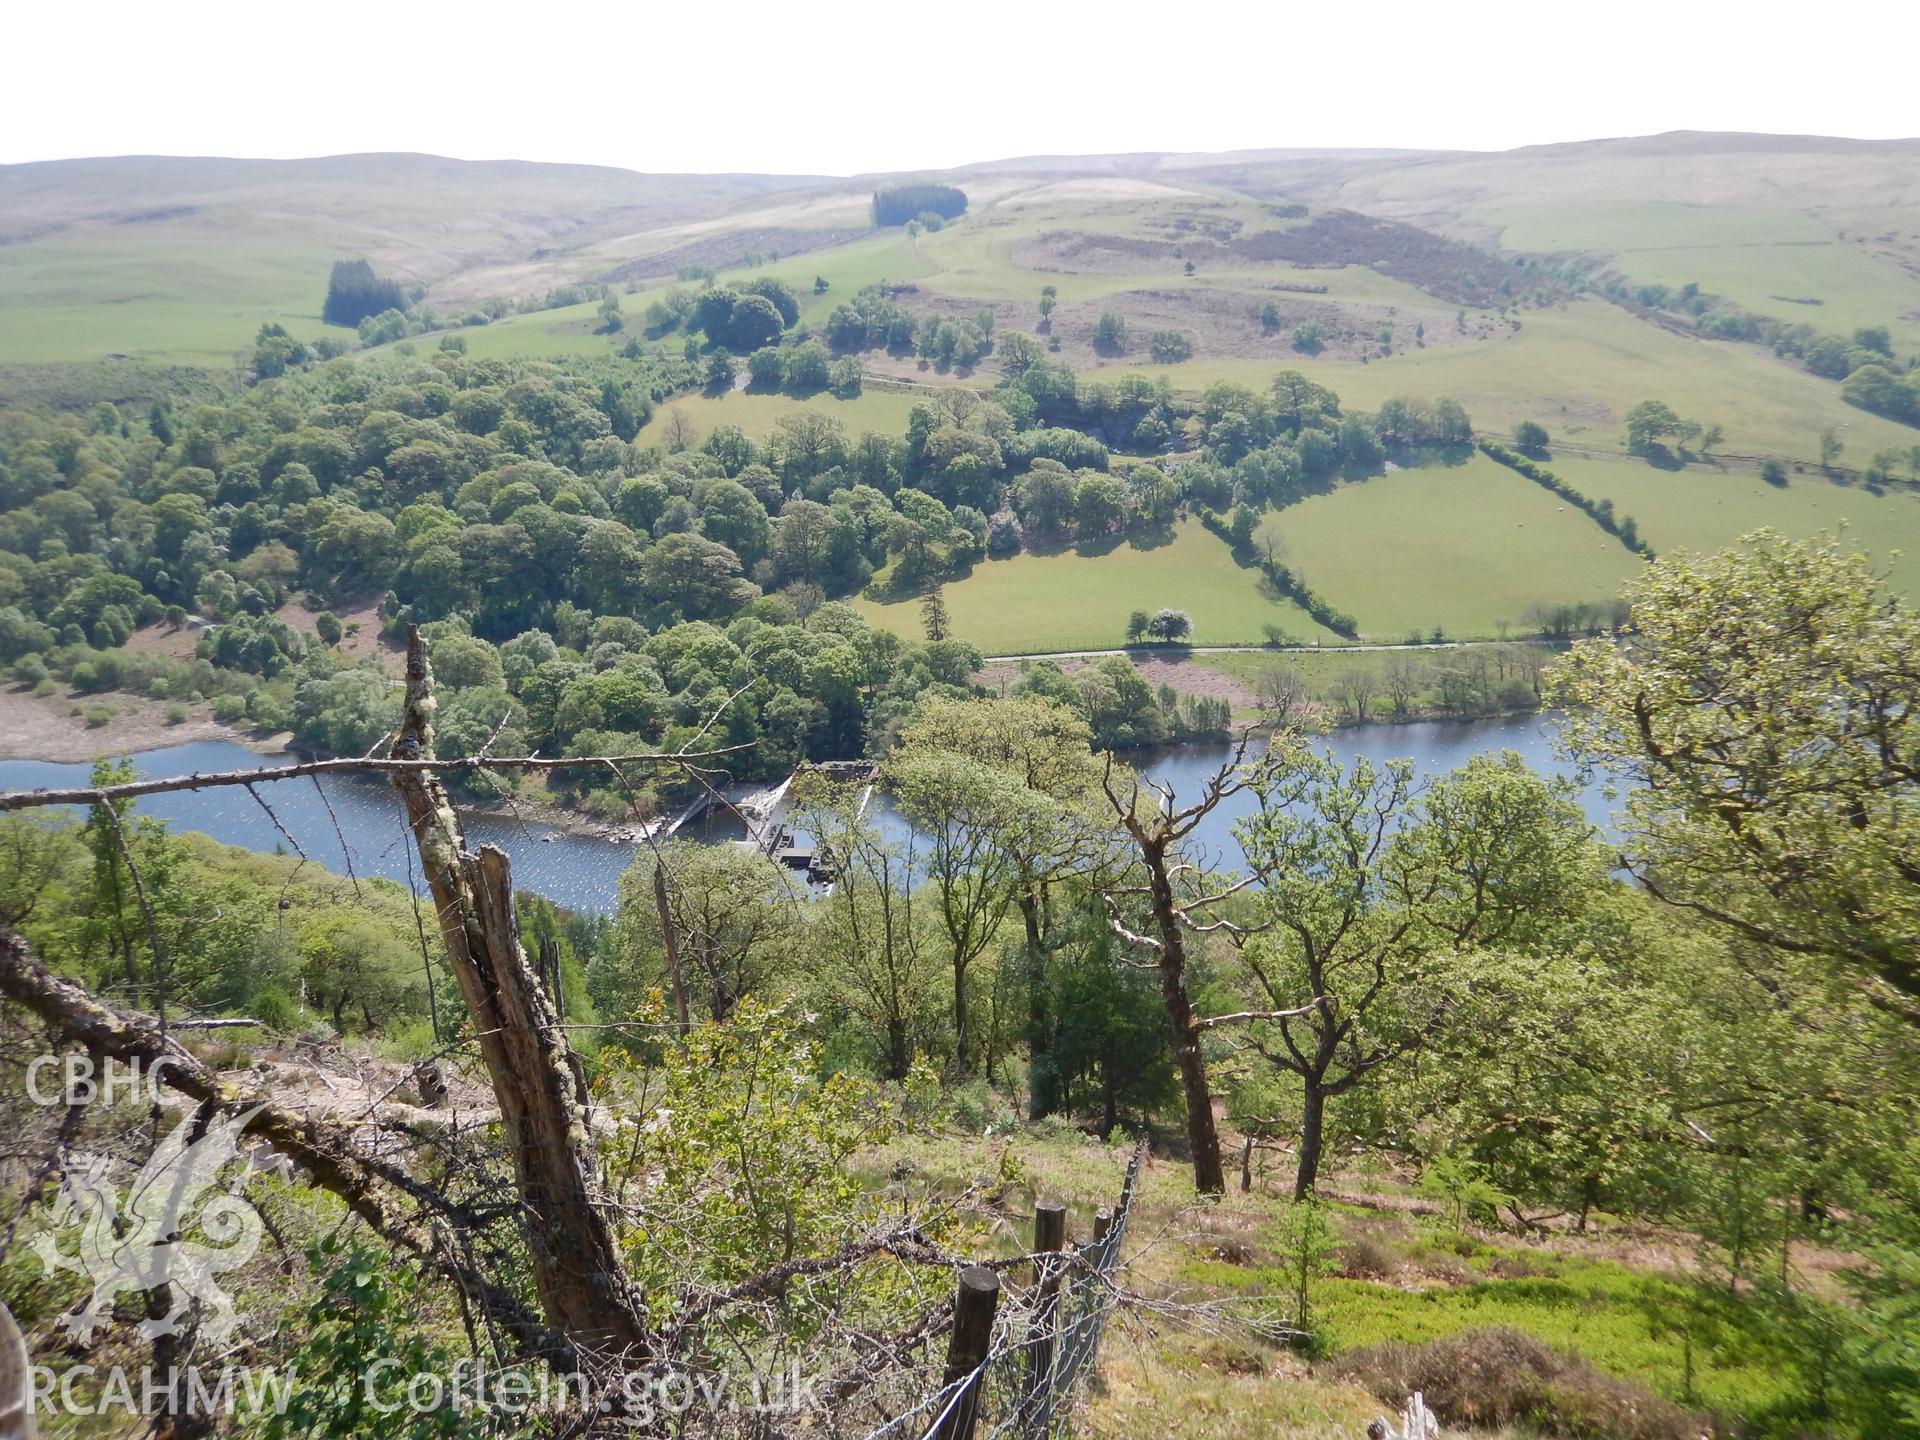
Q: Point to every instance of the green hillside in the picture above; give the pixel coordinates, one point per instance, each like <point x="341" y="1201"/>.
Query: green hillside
<point x="1379" y="274"/>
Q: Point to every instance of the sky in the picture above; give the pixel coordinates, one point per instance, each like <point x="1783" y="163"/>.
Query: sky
<point x="845" y="88"/>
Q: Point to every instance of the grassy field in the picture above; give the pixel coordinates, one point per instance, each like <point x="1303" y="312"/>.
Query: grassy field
<point x="1461" y="547"/>
<point x="180" y="259"/>
<point x="538" y="335"/>
<point x="978" y="257"/>
<point x="1468" y="548"/>
<point x="890" y="255"/>
<point x="1579" y="369"/>
<point x="1704" y="509"/>
<point x="1771" y="261"/>
<point x="1069" y="601"/>
<point x="1625" y="1322"/>
<point x="92" y="297"/>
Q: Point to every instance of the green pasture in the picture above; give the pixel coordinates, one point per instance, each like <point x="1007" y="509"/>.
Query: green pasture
<point x="544" y="334"/>
<point x="1767" y="260"/>
<point x="1074" y="599"/>
<point x="1464" y="547"/>
<point x="1701" y="509"/>
<point x="1579" y="369"/>
<point x="890" y="255"/>
<point x="186" y="298"/>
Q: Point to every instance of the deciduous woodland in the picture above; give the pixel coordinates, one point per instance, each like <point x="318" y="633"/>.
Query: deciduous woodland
<point x="981" y="1089"/>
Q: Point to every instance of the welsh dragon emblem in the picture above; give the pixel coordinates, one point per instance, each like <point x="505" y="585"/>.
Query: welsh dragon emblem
<point x="139" y="1241"/>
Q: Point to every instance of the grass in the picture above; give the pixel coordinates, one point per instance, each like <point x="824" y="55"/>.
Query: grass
<point x="87" y="298"/>
<point x="1705" y="509"/>
<point x="1765" y="259"/>
<point x="541" y="334"/>
<point x="1623" y="1301"/>
<point x="1403" y="552"/>
<point x="890" y="255"/>
<point x="1625" y="1322"/>
<point x="1321" y="670"/>
<point x="1579" y="369"/>
<point x="1072" y="600"/>
<point x="575" y="329"/>
<point x="1216" y="1390"/>
<point x="975" y="257"/>
<point x="1463" y="547"/>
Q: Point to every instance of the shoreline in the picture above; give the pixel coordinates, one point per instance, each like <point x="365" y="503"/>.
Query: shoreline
<point x="43" y="728"/>
<point x="40" y="729"/>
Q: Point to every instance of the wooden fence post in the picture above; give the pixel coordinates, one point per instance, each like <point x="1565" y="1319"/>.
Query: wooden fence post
<point x="1049" y="1233"/>
<point x="1049" y="1238"/>
<point x="975" y="1299"/>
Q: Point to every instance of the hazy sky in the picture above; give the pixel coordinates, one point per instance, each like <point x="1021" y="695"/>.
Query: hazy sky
<point x="828" y="88"/>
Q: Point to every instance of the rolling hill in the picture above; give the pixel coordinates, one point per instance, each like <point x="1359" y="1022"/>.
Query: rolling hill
<point x="1513" y="282"/>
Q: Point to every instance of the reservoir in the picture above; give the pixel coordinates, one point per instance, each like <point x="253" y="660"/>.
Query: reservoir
<point x="347" y="824"/>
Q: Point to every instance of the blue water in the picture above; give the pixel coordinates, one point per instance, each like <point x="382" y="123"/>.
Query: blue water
<point x="350" y="824"/>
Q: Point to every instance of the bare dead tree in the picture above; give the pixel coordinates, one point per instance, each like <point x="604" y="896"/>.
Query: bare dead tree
<point x="538" y="1081"/>
<point x="1147" y="813"/>
<point x="670" y="943"/>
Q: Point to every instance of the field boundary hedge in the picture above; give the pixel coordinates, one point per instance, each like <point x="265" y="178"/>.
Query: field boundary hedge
<point x="1285" y="581"/>
<point x="1622" y="528"/>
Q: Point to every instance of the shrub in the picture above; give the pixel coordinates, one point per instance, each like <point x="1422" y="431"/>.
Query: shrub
<point x="1005" y="534"/>
<point x="1488" y="1378"/>
<point x="176" y="715"/>
<point x="229" y="709"/>
<point x="768" y="366"/>
<point x="1531" y="437"/>
<point x="98" y="715"/>
<point x="29" y="670"/>
<point x="1369" y="1256"/>
<point x="1169" y="347"/>
<point x="1600" y="512"/>
<point x="977" y="1109"/>
<point x="273" y="1009"/>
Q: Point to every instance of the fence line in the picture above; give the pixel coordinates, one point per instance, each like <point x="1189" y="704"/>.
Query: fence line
<point x="1015" y="1363"/>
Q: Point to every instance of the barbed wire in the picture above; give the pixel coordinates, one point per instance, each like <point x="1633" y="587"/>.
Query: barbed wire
<point x="1044" y="1343"/>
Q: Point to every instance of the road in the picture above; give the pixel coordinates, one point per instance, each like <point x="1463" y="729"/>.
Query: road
<point x="1175" y="652"/>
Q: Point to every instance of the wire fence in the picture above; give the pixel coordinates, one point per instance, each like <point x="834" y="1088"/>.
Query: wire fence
<point x="1017" y="1362"/>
